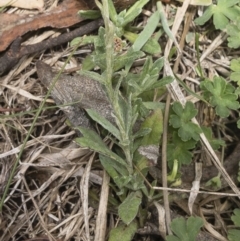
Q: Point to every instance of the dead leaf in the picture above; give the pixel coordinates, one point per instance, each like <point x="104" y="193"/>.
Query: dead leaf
<point x="32" y="4"/>
<point x="161" y="219"/>
<point x="13" y="26"/>
<point x="151" y="152"/>
<point x="195" y="186"/>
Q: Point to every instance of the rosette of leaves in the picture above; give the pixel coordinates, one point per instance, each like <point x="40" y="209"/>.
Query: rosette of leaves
<point x="221" y="95"/>
<point x="181" y="120"/>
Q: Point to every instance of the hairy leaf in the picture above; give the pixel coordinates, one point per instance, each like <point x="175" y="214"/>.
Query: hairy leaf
<point x="123" y="232"/>
<point x="129" y="208"/>
<point x="93" y="141"/>
<point x="155" y="123"/>
<point x="104" y="122"/>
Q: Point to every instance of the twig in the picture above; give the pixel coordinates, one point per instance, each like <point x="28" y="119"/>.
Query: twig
<point x="11" y="57"/>
<point x="164" y="164"/>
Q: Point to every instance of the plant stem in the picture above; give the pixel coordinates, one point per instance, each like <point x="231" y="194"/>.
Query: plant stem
<point x="113" y="95"/>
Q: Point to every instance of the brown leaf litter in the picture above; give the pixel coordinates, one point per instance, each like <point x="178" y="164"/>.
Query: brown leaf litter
<point x="46" y="195"/>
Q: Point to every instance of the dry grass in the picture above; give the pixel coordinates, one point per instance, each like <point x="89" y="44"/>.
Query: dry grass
<point x="50" y="195"/>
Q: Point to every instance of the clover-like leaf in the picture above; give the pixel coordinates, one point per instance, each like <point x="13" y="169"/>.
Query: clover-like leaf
<point x="180" y="150"/>
<point x="185" y="230"/>
<point x="182" y="120"/>
<point x="236" y="217"/>
<point x="233" y="30"/>
<point x="233" y="234"/>
<point x="238" y="124"/>
<point x="222" y="95"/>
<point x="224" y="11"/>
<point x="235" y="67"/>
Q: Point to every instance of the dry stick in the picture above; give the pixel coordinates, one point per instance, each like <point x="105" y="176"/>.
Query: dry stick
<point x="182" y="41"/>
<point x="187" y="190"/>
<point x="164" y="164"/>
<point x="15" y="52"/>
<point x="101" y="222"/>
<point x="215" y="43"/>
<point x="84" y="188"/>
<point x="164" y="147"/>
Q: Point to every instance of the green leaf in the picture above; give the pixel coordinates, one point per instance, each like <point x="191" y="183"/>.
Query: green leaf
<point x="133" y="11"/>
<point x="180" y="150"/>
<point x="104" y="122"/>
<point x="224" y="11"/>
<point x="136" y="182"/>
<point x="112" y="12"/>
<point x="205" y="17"/>
<point x="80" y="41"/>
<point x="89" y="14"/>
<point x="233" y="234"/>
<point x="235" y="67"/>
<point x="214" y="182"/>
<point x="116" y="172"/>
<point x="129" y="208"/>
<point x="147" y="31"/>
<point x="119" y="61"/>
<point x="155" y="123"/>
<point x="221" y="96"/>
<point x="162" y="82"/>
<point x="142" y="132"/>
<point x="185" y="230"/>
<point x="236" y="217"/>
<point x="126" y="115"/>
<point x="148" y="79"/>
<point x="182" y="120"/>
<point x="215" y="143"/>
<point x="151" y="46"/>
<point x="93" y="141"/>
<point x="123" y="232"/>
<point x="233" y="30"/>
<point x="153" y="105"/>
<point x="92" y="75"/>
